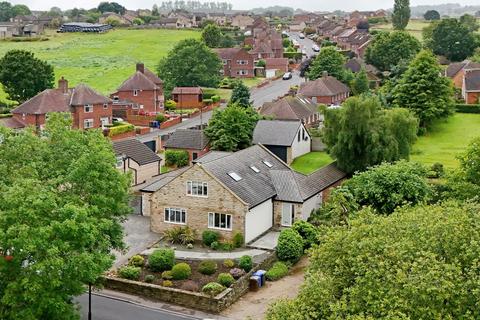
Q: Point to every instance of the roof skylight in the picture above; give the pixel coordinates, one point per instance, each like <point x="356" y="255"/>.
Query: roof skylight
<point x="268" y="164"/>
<point x="255" y="169"/>
<point x="234" y="176"/>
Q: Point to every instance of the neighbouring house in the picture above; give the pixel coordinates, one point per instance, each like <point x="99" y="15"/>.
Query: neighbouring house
<point x="169" y="23"/>
<point x="248" y="192"/>
<point x="20" y="29"/>
<point x="293" y="108"/>
<point x="471" y="86"/>
<point x="456" y="71"/>
<point x="297" y="26"/>
<point x="188" y="97"/>
<point x="356" y="64"/>
<point x="89" y="108"/>
<point x="286" y="139"/>
<point x="194" y="141"/>
<point x="237" y="62"/>
<point x="142" y="91"/>
<point x="242" y="21"/>
<point x="125" y="20"/>
<point x="9" y="30"/>
<point x="274" y="66"/>
<point x="219" y="18"/>
<point x="327" y="90"/>
<point x="183" y="20"/>
<point x="135" y="157"/>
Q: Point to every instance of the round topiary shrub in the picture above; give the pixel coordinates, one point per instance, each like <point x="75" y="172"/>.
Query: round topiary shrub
<point x="181" y="271"/>
<point x="167" y="275"/>
<point x="238" y="240"/>
<point x="137" y="261"/>
<point x="237" y="273"/>
<point x="213" y="288"/>
<point x="228" y="263"/>
<point x="289" y="246"/>
<point x="246" y="263"/>
<point x="277" y="271"/>
<point x="167" y="283"/>
<point x="149" y="278"/>
<point x="130" y="272"/>
<point x="161" y="260"/>
<point x="209" y="236"/>
<point x="207" y="267"/>
<point x="225" y="279"/>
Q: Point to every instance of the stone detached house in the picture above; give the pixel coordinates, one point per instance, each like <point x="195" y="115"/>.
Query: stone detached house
<point x="135" y="157"/>
<point x="249" y="192"/>
<point x="286" y="139"/>
<point x="89" y="108"/>
<point x="188" y="97"/>
<point x="142" y="91"/>
<point x="242" y="21"/>
<point x="237" y="62"/>
<point x="327" y="90"/>
<point x="296" y="107"/>
<point x="471" y="86"/>
<point x="194" y="141"/>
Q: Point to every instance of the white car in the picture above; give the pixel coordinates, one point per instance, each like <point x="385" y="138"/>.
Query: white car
<point x="315" y="48"/>
<point x="287" y="76"/>
<point x="301" y="36"/>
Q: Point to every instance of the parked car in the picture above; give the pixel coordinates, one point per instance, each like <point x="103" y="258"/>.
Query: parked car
<point x="301" y="36"/>
<point x="117" y="119"/>
<point x="316" y="48"/>
<point x="287" y="76"/>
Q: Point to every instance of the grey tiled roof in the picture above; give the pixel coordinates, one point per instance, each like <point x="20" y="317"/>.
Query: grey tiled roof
<point x="276" y="132"/>
<point x="162" y="180"/>
<point x="290" y="108"/>
<point x="212" y="155"/>
<point x="187" y="139"/>
<point x="134" y="149"/>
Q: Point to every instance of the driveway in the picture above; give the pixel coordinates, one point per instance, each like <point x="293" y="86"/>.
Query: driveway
<point x="138" y="238"/>
<point x="267" y="242"/>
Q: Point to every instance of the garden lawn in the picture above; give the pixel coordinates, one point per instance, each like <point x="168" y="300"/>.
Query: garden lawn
<point x="446" y="139"/>
<point x="414" y="27"/>
<point x="252" y="82"/>
<point x="311" y="162"/>
<point x="103" y="61"/>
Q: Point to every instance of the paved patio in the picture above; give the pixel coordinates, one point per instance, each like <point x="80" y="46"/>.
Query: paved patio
<point x="267" y="242"/>
<point x="257" y="254"/>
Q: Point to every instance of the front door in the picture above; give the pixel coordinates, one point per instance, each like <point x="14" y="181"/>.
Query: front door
<point x="288" y="214"/>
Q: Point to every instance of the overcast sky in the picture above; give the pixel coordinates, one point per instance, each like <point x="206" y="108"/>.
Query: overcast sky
<point x="310" y="5"/>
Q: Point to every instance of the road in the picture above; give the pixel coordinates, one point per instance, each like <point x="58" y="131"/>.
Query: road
<point x="274" y="89"/>
<point x="305" y="44"/>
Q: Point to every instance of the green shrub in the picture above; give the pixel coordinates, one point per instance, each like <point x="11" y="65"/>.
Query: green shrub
<point x="225" y="279"/>
<point x="5" y="115"/>
<point x="209" y="236"/>
<point x="238" y="240"/>
<point x="277" y="271"/>
<point x="137" y="261"/>
<point x="215" y="98"/>
<point x="121" y="128"/>
<point x="246" y="263"/>
<point x="215" y="245"/>
<point x="438" y="169"/>
<point x="468" y="108"/>
<point x="149" y="278"/>
<point x="307" y="231"/>
<point x="213" y="288"/>
<point x="167" y="283"/>
<point x="178" y="158"/>
<point x="161" y="260"/>
<point x="207" y="101"/>
<point x="207" y="267"/>
<point x="170" y="105"/>
<point x="181" y="271"/>
<point x="167" y="275"/>
<point x="180" y="235"/>
<point x="160" y="118"/>
<point x="289" y="246"/>
<point x="226" y="246"/>
<point x="228" y="263"/>
<point x="130" y="272"/>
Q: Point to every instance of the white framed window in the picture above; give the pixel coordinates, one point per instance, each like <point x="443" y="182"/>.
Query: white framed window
<point x="105" y="121"/>
<point x="135" y="92"/>
<point x="87" y="123"/>
<point x="242" y="62"/>
<point x="105" y="106"/>
<point x="221" y="221"/>
<point x="197" y="189"/>
<point x="242" y="72"/>
<point x="88" y="108"/>
<point x="175" y="215"/>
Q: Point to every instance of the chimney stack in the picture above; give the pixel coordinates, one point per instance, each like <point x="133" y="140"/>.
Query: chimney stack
<point x="141" y="67"/>
<point x="63" y="85"/>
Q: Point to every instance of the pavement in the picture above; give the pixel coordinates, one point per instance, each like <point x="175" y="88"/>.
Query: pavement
<point x="256" y="254"/>
<point x="268" y="241"/>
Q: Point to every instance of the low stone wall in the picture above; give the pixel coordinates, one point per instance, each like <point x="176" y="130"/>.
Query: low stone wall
<point x="194" y="300"/>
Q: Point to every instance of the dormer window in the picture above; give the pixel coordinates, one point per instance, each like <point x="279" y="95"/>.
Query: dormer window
<point x="88" y="108"/>
<point x="135" y="92"/>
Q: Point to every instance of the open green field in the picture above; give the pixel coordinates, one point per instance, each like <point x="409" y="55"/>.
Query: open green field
<point x="103" y="61"/>
<point x="446" y="139"/>
<point x="311" y="162"/>
<point x="414" y="27"/>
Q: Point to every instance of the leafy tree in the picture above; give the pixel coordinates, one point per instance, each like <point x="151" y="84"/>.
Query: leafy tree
<point x="424" y="90"/>
<point x="450" y="38"/>
<point x="23" y="75"/>
<point x="20" y="10"/>
<point x="190" y="63"/>
<point x="111" y="7"/>
<point x="61" y="201"/>
<point x="360" y="134"/>
<point x="113" y="21"/>
<point x="390" y="48"/>
<point x="363" y="25"/>
<point x="337" y="210"/>
<point x="470" y="22"/>
<point x="240" y="94"/>
<point x="231" y="129"/>
<point x="5" y="11"/>
<point x="431" y="15"/>
<point x="212" y="36"/>
<point x="360" y="83"/>
<point x="155" y="11"/>
<point x="401" y="14"/>
<point x="55" y="12"/>
<point x="388" y="186"/>
<point x="420" y="263"/>
<point x="138" y="21"/>
<point x="331" y="61"/>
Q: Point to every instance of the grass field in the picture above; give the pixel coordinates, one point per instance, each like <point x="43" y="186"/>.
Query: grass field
<point x="414" y="27"/>
<point x="102" y="61"/>
<point x="311" y="162"/>
<point x="446" y="139"/>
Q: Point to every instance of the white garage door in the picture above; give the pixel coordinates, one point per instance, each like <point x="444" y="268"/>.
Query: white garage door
<point x="258" y="220"/>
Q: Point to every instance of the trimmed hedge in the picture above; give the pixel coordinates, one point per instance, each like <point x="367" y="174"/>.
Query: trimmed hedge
<point x="181" y="271"/>
<point x="245" y="263"/>
<point x="225" y="279"/>
<point x="468" y="108"/>
<point x="207" y="267"/>
<point x="290" y="246"/>
<point x="130" y="272"/>
<point x="292" y="55"/>
<point x="277" y="271"/>
<point x="5" y="115"/>
<point x="212" y="288"/>
<point x="176" y="157"/>
<point x="121" y="128"/>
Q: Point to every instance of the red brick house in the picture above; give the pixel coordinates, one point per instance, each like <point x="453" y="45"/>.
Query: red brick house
<point x="142" y="91"/>
<point x="274" y="66"/>
<point x="89" y="108"/>
<point x="195" y="142"/>
<point x="188" y="97"/>
<point x="327" y="90"/>
<point x="456" y="71"/>
<point x="296" y="107"/>
<point x="237" y="62"/>
<point x="471" y="86"/>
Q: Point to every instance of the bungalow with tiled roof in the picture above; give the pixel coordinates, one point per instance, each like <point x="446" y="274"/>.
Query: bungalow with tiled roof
<point x="89" y="108"/>
<point x="327" y="90"/>
<point x="296" y="107"/>
<point x="356" y="64"/>
<point x="194" y="141"/>
<point x="237" y="62"/>
<point x="188" y="97"/>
